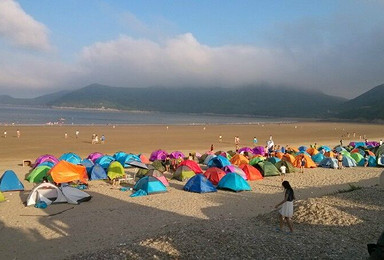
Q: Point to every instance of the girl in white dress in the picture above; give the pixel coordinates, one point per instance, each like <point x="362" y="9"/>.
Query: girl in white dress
<point x="286" y="211"/>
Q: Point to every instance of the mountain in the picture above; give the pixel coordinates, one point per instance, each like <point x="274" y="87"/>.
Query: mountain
<point x="38" y="101"/>
<point x="367" y="107"/>
<point x="260" y="101"/>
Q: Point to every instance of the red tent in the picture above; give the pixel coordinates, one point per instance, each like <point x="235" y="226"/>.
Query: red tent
<point x="192" y="165"/>
<point x="214" y="174"/>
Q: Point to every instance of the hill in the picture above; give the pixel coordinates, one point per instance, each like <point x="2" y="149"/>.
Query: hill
<point x="367" y="107"/>
<point x="260" y="101"/>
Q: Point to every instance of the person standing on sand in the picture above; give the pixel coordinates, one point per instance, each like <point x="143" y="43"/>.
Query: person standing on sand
<point x="77" y="134"/>
<point x="286" y="211"/>
<point x="102" y="139"/>
<point x="65" y="135"/>
<point x="340" y="161"/>
<point x="18" y="133"/>
<point x="220" y="138"/>
<point x="302" y="164"/>
<point x="5" y="134"/>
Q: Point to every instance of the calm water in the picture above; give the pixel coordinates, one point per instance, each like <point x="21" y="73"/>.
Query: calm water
<point x="37" y="116"/>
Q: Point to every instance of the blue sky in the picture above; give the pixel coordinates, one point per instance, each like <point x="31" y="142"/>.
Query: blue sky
<point x="333" y="46"/>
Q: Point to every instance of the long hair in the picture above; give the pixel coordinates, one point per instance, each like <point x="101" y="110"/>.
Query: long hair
<point x="286" y="185"/>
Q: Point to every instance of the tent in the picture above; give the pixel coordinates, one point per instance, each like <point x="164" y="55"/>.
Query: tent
<point x="176" y="155"/>
<point x="46" y="158"/>
<point x="234" y="182"/>
<point x="256" y="160"/>
<point x="267" y="169"/>
<point x="88" y="164"/>
<point x="70" y="157"/>
<point x="308" y="161"/>
<point x="128" y="158"/>
<point x="65" y="171"/>
<point x="259" y="150"/>
<point x="289" y="158"/>
<point x="10" y="182"/>
<point x="357" y="157"/>
<point x="239" y="159"/>
<point x="246" y="149"/>
<point x="371" y="162"/>
<point x="208" y="158"/>
<point x="158" y="155"/>
<point x="150" y="185"/>
<point x="97" y="173"/>
<point x="317" y="158"/>
<point x="50" y="194"/>
<point x="273" y="160"/>
<point x="235" y="169"/>
<point x="94" y="156"/>
<point x="120" y="157"/>
<point x="214" y="174"/>
<point x="325" y="148"/>
<point x="219" y="162"/>
<point x="289" y="167"/>
<point x="348" y="161"/>
<point x="328" y="162"/>
<point x="183" y="173"/>
<point x="105" y="161"/>
<point x="115" y="170"/>
<point x="158" y="165"/>
<point x="144" y="159"/>
<point x="312" y="151"/>
<point x="37" y="174"/>
<point x="192" y="165"/>
<point x="330" y="154"/>
<point x="158" y="175"/>
<point x="199" y="184"/>
<point x="380" y="155"/>
<point x="251" y="172"/>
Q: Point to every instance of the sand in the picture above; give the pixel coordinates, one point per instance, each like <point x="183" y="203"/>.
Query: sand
<point x="112" y="223"/>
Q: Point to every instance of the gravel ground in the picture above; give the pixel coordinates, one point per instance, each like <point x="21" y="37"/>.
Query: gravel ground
<point x="331" y="227"/>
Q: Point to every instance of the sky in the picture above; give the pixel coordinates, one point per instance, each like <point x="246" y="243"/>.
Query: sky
<point x="336" y="47"/>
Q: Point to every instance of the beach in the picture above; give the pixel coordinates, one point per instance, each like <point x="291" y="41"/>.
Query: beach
<point x="183" y="225"/>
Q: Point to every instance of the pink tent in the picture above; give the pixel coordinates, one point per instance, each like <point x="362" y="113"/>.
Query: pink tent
<point x="94" y="156"/>
<point x="46" y="158"/>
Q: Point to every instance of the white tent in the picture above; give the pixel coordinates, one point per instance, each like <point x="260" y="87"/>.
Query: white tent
<point x="49" y="193"/>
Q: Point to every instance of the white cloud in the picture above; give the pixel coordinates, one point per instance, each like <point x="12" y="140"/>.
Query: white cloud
<point x="20" y="29"/>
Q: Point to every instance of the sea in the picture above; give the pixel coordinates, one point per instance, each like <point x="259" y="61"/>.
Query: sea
<point x="21" y="115"/>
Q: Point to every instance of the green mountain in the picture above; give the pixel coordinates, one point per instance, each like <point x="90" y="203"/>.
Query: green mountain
<point x="38" y="101"/>
<point x="367" y="107"/>
<point x="260" y="101"/>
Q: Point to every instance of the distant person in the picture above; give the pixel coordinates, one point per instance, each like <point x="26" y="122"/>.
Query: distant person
<point x="211" y="148"/>
<point x="254" y="141"/>
<point x="220" y="138"/>
<point x="167" y="164"/>
<point x="283" y="149"/>
<point x="381" y="142"/>
<point x="302" y="164"/>
<point x="96" y="139"/>
<point x="93" y="138"/>
<point x="340" y="161"/>
<point x="283" y="170"/>
<point x="77" y="134"/>
<point x="341" y="142"/>
<point x="366" y="159"/>
<point x="5" y="134"/>
<point x="18" y="133"/>
<point x="65" y="135"/>
<point x="286" y="211"/>
<point x="102" y="139"/>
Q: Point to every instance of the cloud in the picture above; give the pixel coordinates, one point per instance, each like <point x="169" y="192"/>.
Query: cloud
<point x="20" y="29"/>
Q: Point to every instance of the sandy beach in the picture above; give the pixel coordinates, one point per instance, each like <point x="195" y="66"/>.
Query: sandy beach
<point x="183" y="225"/>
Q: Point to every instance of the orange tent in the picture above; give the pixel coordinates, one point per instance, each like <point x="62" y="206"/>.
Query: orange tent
<point x="239" y="159"/>
<point x="288" y="157"/>
<point x="330" y="154"/>
<point x="312" y="151"/>
<point x="309" y="163"/>
<point x="293" y="149"/>
<point x="65" y="171"/>
<point x="144" y="159"/>
<point x="252" y="173"/>
<point x="279" y="155"/>
<point x="214" y="174"/>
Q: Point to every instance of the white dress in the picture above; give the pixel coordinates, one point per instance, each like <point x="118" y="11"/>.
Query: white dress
<point x="287" y="209"/>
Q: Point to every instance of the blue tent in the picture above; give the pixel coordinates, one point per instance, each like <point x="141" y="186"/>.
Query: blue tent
<point x="97" y="173"/>
<point x="150" y="185"/>
<point x="371" y="161"/>
<point x="105" y="161"/>
<point x="219" y="162"/>
<point x="88" y="164"/>
<point x="199" y="184"/>
<point x="70" y="157"/>
<point x="10" y="182"/>
<point x="329" y="162"/>
<point x="120" y="157"/>
<point x="303" y="148"/>
<point x="317" y="158"/>
<point x="348" y="162"/>
<point x="128" y="158"/>
<point x="325" y="148"/>
<point x="234" y="182"/>
<point x="273" y="160"/>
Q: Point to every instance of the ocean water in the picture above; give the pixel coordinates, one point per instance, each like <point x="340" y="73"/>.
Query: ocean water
<point x="40" y="116"/>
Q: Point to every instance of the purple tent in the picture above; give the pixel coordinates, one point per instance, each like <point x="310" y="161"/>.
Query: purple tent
<point x="259" y="150"/>
<point x="158" y="155"/>
<point x="176" y="155"/>
<point x="372" y="143"/>
<point x="46" y="158"/>
<point x="235" y="169"/>
<point x="246" y="149"/>
<point x="94" y="156"/>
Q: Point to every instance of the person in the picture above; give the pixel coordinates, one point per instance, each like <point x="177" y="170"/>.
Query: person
<point x="167" y="164"/>
<point x="220" y="138"/>
<point x="283" y="170"/>
<point x="96" y="139"/>
<point x="315" y="146"/>
<point x="366" y="156"/>
<point x="340" y="161"/>
<point x="65" y="135"/>
<point x="102" y="139"/>
<point x="77" y="133"/>
<point x="283" y="149"/>
<point x="270" y="145"/>
<point x="5" y="134"/>
<point x="381" y="142"/>
<point x="18" y="133"/>
<point x="237" y="142"/>
<point x="190" y="157"/>
<point x="286" y="210"/>
<point x="254" y="141"/>
<point x="341" y="142"/>
<point x="302" y="164"/>
<point x="211" y="147"/>
<point x="93" y="138"/>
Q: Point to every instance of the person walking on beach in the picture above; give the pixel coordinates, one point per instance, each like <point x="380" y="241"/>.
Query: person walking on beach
<point x="65" y="135"/>
<point x="286" y="210"/>
<point x="302" y="164"/>
<point x="254" y="141"/>
<point x="102" y="139"/>
<point x="18" y="133"/>
<point x="5" y="134"/>
<point x="220" y="138"/>
<point x="77" y="134"/>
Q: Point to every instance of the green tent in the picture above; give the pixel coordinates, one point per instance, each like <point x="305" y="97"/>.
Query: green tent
<point x="115" y="170"/>
<point x="267" y="169"/>
<point x="158" y="165"/>
<point x="290" y="167"/>
<point x="347" y="154"/>
<point x="2" y="198"/>
<point x="357" y="157"/>
<point x="256" y="160"/>
<point x="37" y="175"/>
<point x="183" y="173"/>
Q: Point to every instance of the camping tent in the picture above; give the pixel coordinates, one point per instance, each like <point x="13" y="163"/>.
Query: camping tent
<point x="46" y="158"/>
<point x="94" y="156"/>
<point x="65" y="171"/>
<point x="50" y="193"/>
<point x="236" y="169"/>
<point x="158" y="155"/>
<point x="289" y="158"/>
<point x="214" y="174"/>
<point x="105" y="161"/>
<point x="357" y="157"/>
<point x="317" y="158"/>
<point x="37" y="174"/>
<point x="289" y="167"/>
<point x="234" y="182"/>
<point x="199" y="184"/>
<point x="10" y="182"/>
<point x="239" y="159"/>
<point x="176" y="155"/>
<point x="259" y="150"/>
<point x="150" y="185"/>
<point x="70" y="157"/>
<point x="309" y="163"/>
<point x="97" y="173"/>
<point x="267" y="169"/>
<point x="183" y="173"/>
<point x="158" y="175"/>
<point x="251" y="172"/>
<point x="348" y="161"/>
<point x="328" y="162"/>
<point x="192" y="165"/>
<point x="115" y="170"/>
<point x="219" y="162"/>
<point x="208" y="157"/>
